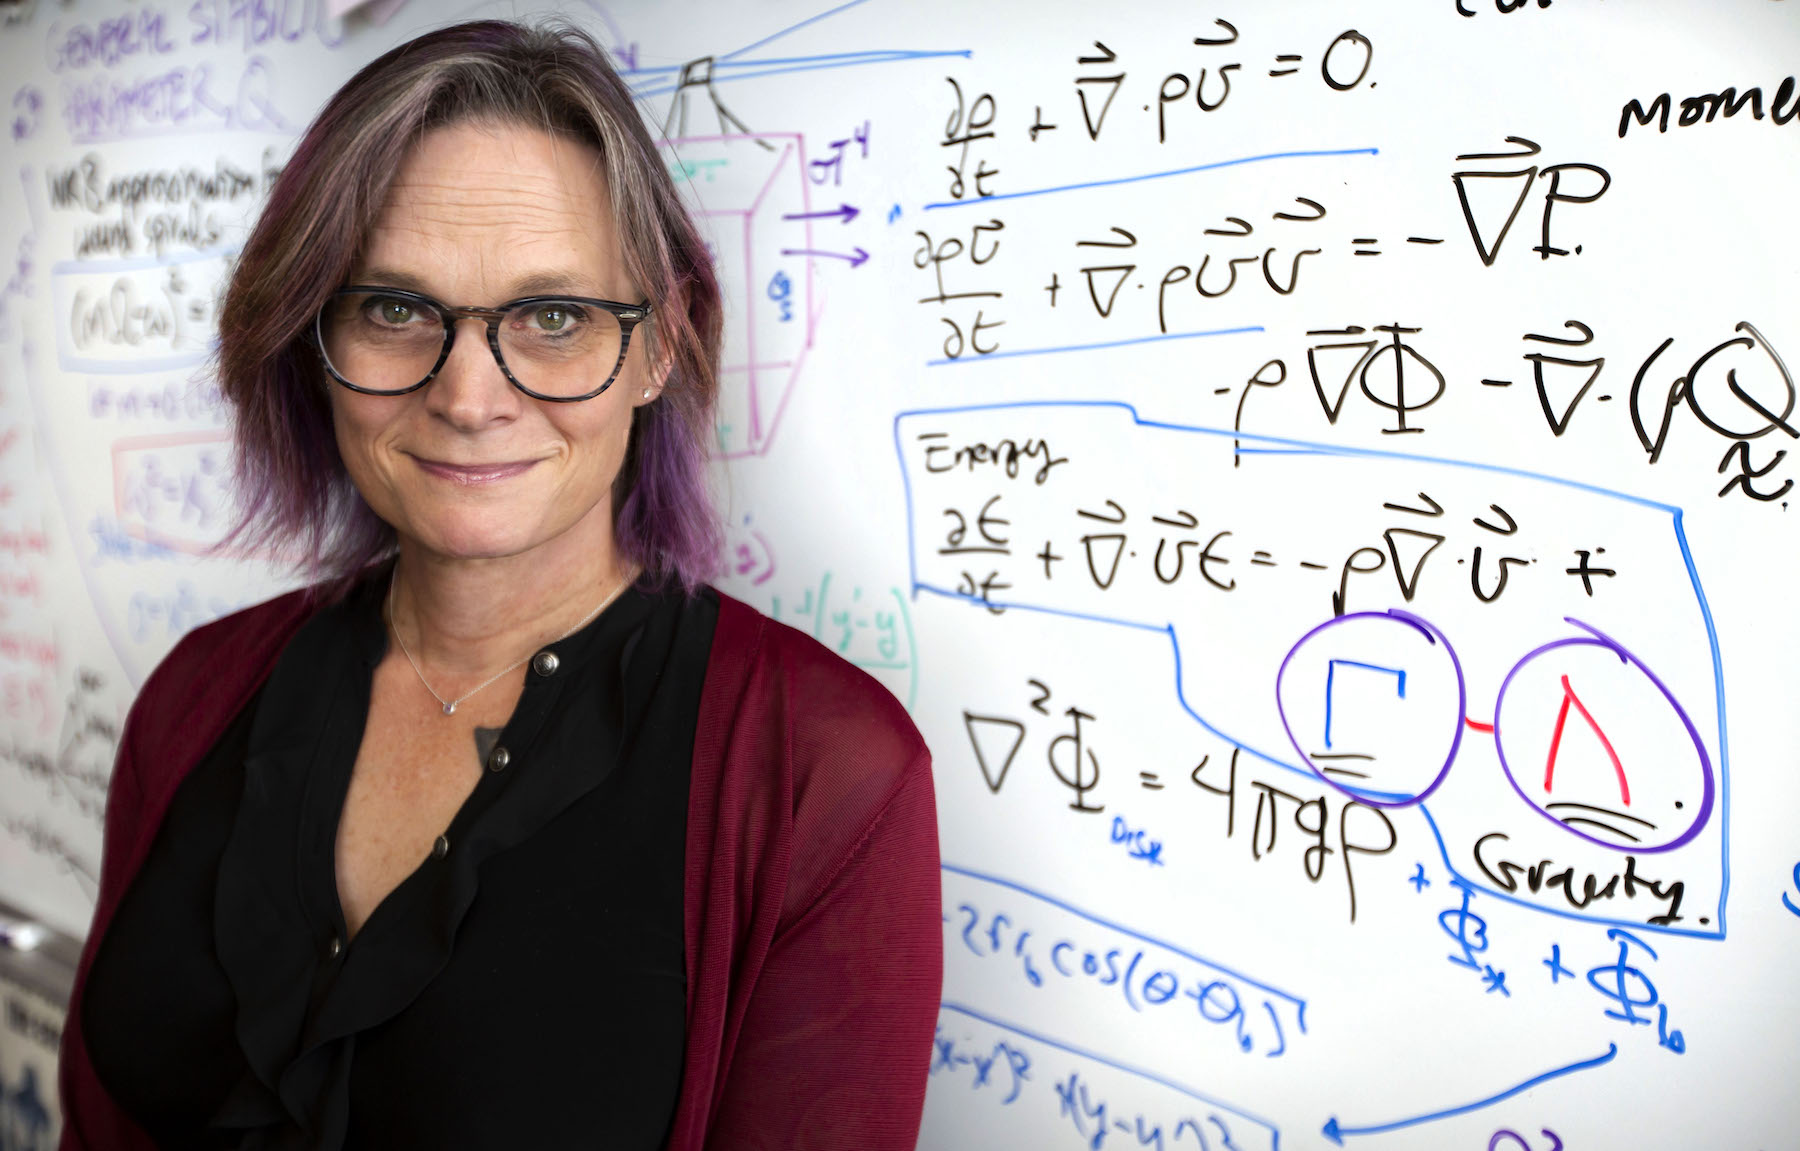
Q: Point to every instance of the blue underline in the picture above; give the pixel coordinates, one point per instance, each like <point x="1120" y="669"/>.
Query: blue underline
<point x="1335" y="1129"/>
<point x="976" y="359"/>
<point x="1155" y="175"/>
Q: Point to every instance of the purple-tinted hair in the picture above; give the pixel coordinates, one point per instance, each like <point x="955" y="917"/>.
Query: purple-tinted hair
<point x="297" y="497"/>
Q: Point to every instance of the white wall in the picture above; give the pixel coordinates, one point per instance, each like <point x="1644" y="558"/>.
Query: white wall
<point x="1196" y="847"/>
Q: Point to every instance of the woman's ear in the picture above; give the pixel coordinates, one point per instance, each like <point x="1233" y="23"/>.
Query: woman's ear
<point x="660" y="358"/>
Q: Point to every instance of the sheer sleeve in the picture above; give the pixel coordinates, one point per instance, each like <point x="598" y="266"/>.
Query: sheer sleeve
<point x="813" y="903"/>
<point x="836" y="1041"/>
<point x="179" y="713"/>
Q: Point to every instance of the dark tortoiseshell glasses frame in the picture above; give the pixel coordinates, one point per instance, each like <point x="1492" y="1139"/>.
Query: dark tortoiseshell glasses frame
<point x="628" y="315"/>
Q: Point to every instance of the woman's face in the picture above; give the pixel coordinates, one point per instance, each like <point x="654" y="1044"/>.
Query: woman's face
<point x="469" y="466"/>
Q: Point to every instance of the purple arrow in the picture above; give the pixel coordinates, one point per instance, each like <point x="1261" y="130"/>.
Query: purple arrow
<point x="855" y="257"/>
<point x="844" y="210"/>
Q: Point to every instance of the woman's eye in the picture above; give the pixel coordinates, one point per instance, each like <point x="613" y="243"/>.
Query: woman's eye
<point x="555" y="318"/>
<point x="394" y="312"/>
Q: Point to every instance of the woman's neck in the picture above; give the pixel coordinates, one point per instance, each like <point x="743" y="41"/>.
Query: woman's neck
<point x="464" y="619"/>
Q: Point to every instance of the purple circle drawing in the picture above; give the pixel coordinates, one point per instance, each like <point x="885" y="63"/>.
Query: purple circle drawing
<point x="1626" y="658"/>
<point x="1370" y="796"/>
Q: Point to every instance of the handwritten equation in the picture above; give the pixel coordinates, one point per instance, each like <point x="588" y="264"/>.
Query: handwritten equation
<point x="1351" y="638"/>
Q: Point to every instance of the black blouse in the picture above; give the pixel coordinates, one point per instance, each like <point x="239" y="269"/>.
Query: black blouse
<point x="524" y="987"/>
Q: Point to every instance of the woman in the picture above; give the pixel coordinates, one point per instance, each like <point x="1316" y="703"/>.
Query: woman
<point x="588" y="854"/>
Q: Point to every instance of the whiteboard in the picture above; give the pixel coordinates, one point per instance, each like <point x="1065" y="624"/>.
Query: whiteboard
<point x="1318" y="475"/>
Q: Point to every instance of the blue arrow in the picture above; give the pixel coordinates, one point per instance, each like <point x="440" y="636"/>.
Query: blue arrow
<point x="1336" y="1133"/>
<point x="847" y="212"/>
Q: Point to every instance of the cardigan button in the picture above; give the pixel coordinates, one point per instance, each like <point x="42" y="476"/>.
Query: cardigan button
<point x="335" y="948"/>
<point x="545" y="663"/>
<point x="498" y="759"/>
<point x="440" y="848"/>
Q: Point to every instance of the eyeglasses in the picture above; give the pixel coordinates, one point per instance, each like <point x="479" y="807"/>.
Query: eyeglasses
<point x="388" y="342"/>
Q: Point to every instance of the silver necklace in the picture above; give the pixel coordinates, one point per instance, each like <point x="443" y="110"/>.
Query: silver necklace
<point x="449" y="705"/>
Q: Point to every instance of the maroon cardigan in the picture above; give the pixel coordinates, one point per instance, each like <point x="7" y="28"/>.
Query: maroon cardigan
<point x="812" y="922"/>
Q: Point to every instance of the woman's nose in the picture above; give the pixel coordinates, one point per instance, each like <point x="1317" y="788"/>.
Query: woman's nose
<point x="470" y="390"/>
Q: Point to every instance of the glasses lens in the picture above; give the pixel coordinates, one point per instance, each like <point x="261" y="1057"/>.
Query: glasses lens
<point x="380" y="342"/>
<point x="560" y="348"/>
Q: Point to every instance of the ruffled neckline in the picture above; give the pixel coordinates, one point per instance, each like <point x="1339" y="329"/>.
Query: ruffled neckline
<point x="302" y="997"/>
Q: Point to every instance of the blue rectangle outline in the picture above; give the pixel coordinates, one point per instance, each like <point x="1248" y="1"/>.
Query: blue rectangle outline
<point x="1151" y="1076"/>
<point x="970" y="873"/>
<point x="1675" y="514"/>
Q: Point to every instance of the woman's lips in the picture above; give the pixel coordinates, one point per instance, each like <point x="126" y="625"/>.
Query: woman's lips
<point x="474" y="474"/>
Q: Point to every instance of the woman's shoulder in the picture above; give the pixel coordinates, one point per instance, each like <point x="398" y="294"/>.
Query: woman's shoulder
<point x="814" y="691"/>
<point x="843" y="750"/>
<point x="214" y="668"/>
<point x="247" y="637"/>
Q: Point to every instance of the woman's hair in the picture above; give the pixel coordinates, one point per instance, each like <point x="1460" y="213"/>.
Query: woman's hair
<point x="295" y="491"/>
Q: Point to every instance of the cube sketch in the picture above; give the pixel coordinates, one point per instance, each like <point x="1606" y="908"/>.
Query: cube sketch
<point x="747" y="193"/>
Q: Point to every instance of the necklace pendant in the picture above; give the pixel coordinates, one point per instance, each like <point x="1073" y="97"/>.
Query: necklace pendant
<point x="450" y="709"/>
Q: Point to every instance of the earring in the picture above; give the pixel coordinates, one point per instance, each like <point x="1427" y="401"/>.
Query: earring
<point x="646" y="393"/>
